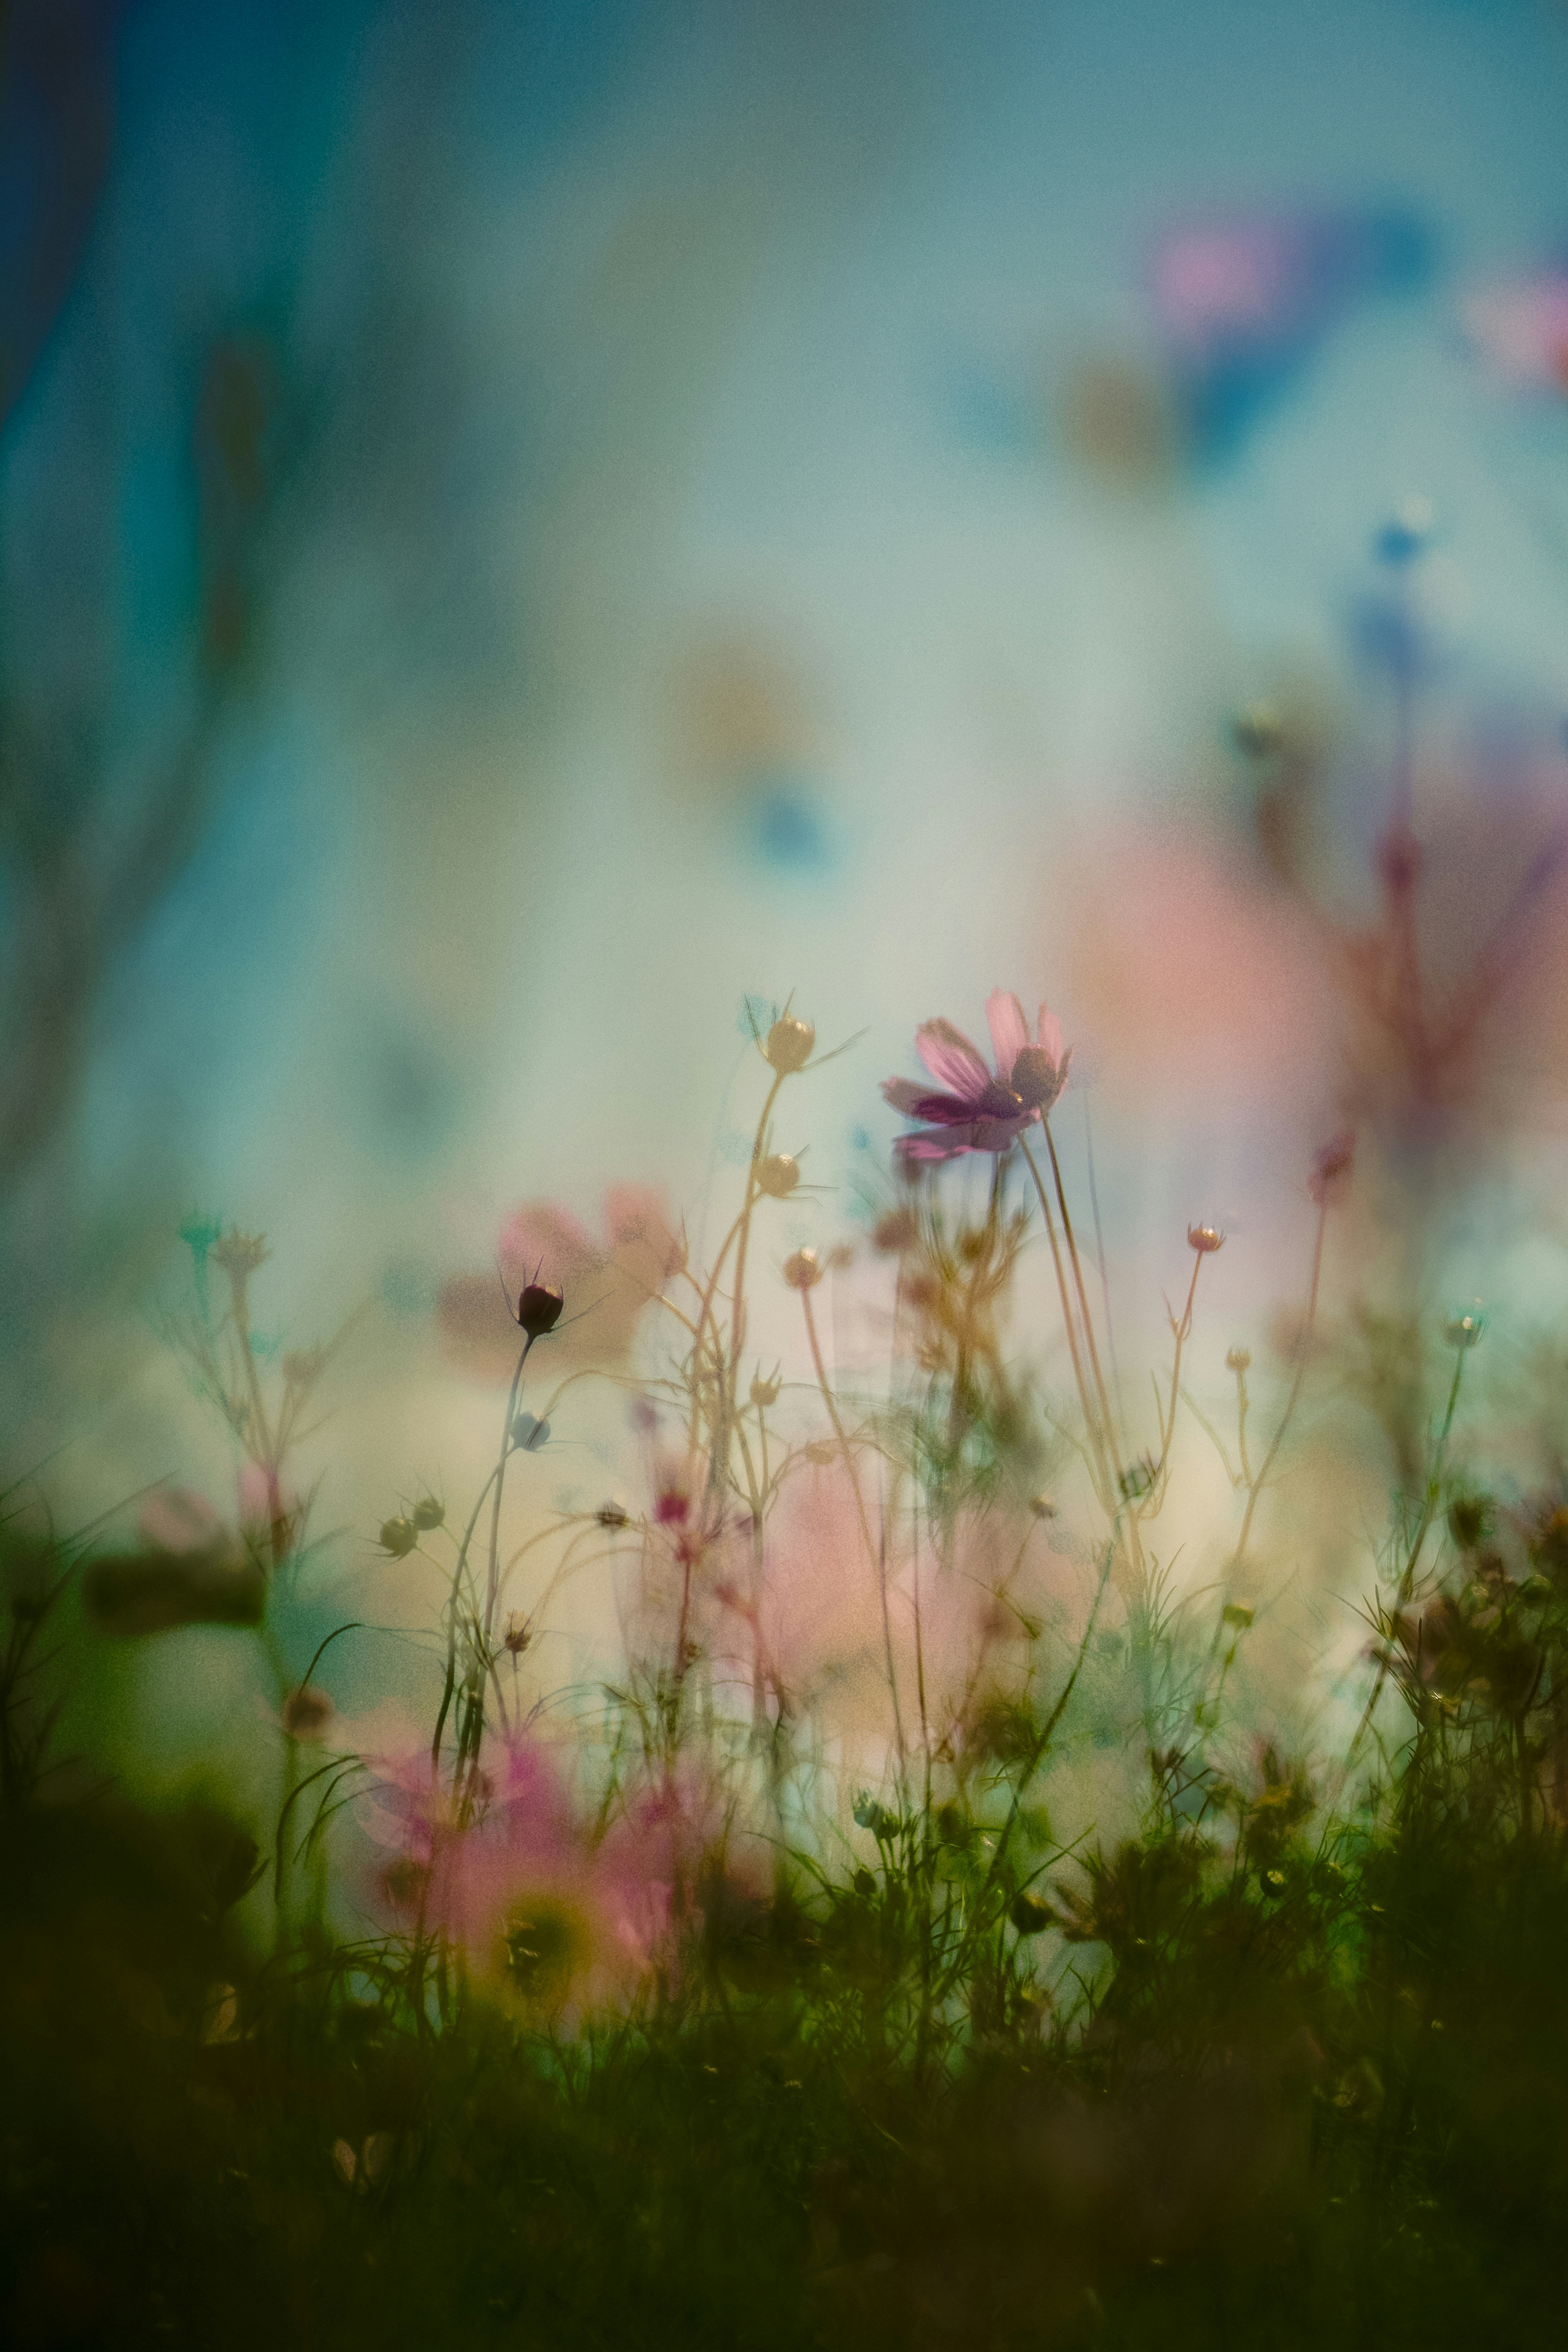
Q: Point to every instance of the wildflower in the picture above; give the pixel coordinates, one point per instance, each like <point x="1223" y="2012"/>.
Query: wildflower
<point x="764" y="1392"/>
<point x="611" y="1515"/>
<point x="306" y="1712"/>
<point x="539" y="1310"/>
<point x="1520" y="331"/>
<point x="529" y="1434"/>
<point x="516" y="1634"/>
<point x="429" y="1512"/>
<point x="1257" y="731"/>
<point x="1464" y="1330"/>
<point x="804" y="1270"/>
<point x="1238" y="1614"/>
<point x="672" y="1507"/>
<point x="895" y="1232"/>
<point x="975" y="1110"/>
<point x="1331" y="1169"/>
<point x="199" y="1232"/>
<point x="610" y="1282"/>
<point x="1238" y="1359"/>
<point x="398" y="1537"/>
<point x="788" y="1044"/>
<point x="1205" y="1239"/>
<point x="240" y="1254"/>
<point x="777" y="1175"/>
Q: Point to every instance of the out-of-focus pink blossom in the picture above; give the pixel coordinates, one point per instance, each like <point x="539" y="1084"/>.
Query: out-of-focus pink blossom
<point x="608" y="1284"/>
<point x="178" y="1519"/>
<point x="1243" y="281"/>
<point x="1522" y="331"/>
<point x="507" y="1873"/>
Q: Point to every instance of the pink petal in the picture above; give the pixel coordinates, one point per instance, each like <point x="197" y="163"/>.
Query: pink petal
<point x="949" y="1058"/>
<point x="916" y="1101"/>
<point x="1009" y="1030"/>
<point x="939" y="1146"/>
<point x="1049" y="1034"/>
<point x="542" y="1236"/>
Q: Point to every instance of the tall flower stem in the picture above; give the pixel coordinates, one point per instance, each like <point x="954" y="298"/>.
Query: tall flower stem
<point x="1103" y="1480"/>
<point x="1304" y="1350"/>
<point x="492" y="1579"/>
<point x="1083" y="1302"/>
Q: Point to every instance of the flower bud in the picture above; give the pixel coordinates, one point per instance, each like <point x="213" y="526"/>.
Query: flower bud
<point x="1205" y="1239"/>
<point x="428" y="1512"/>
<point x="1238" y="1359"/>
<point x="1238" y="1614"/>
<point x="1257" y="731"/>
<point x="672" y="1507"/>
<point x="777" y="1175"/>
<point x="398" y="1537"/>
<point x="764" y="1392"/>
<point x="306" y="1712"/>
<point x="788" y="1044"/>
<point x="1331" y="1169"/>
<point x="516" y="1634"/>
<point x="1037" y="1079"/>
<point x="895" y="1231"/>
<point x="804" y="1270"/>
<point x="611" y="1515"/>
<point x="1464" y="1330"/>
<point x="529" y="1434"/>
<point x="539" y="1310"/>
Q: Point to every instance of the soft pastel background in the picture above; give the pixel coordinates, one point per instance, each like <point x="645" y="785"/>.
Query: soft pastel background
<point x="524" y="523"/>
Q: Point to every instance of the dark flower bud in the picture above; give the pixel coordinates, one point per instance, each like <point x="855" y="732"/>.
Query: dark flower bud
<point x="529" y="1434"/>
<point x="611" y="1515"/>
<point x="1030" y="1915"/>
<point x="539" y="1310"/>
<point x="1205" y="1239"/>
<point x="517" y="1634"/>
<point x="804" y="1270"/>
<point x="306" y="1712"/>
<point x="1331" y="1169"/>
<point x="398" y="1537"/>
<point x="429" y="1512"/>
<point x="764" y="1392"/>
<point x="1036" y="1079"/>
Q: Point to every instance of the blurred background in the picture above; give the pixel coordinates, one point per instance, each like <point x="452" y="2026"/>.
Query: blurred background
<point x="523" y="524"/>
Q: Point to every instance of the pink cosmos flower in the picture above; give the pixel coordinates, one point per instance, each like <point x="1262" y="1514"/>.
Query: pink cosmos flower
<point x="513" y="1879"/>
<point x="1520" y="331"/>
<point x="976" y="1109"/>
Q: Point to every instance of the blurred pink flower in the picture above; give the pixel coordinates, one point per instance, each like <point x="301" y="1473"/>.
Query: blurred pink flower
<point x="1522" y="331"/>
<point x="178" y="1519"/>
<point x="974" y="1109"/>
<point x="1238" y="281"/>
<point x="608" y="1284"/>
<point x="513" y="1879"/>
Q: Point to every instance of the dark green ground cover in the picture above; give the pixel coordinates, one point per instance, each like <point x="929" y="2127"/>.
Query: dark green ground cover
<point x="1315" y="2093"/>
